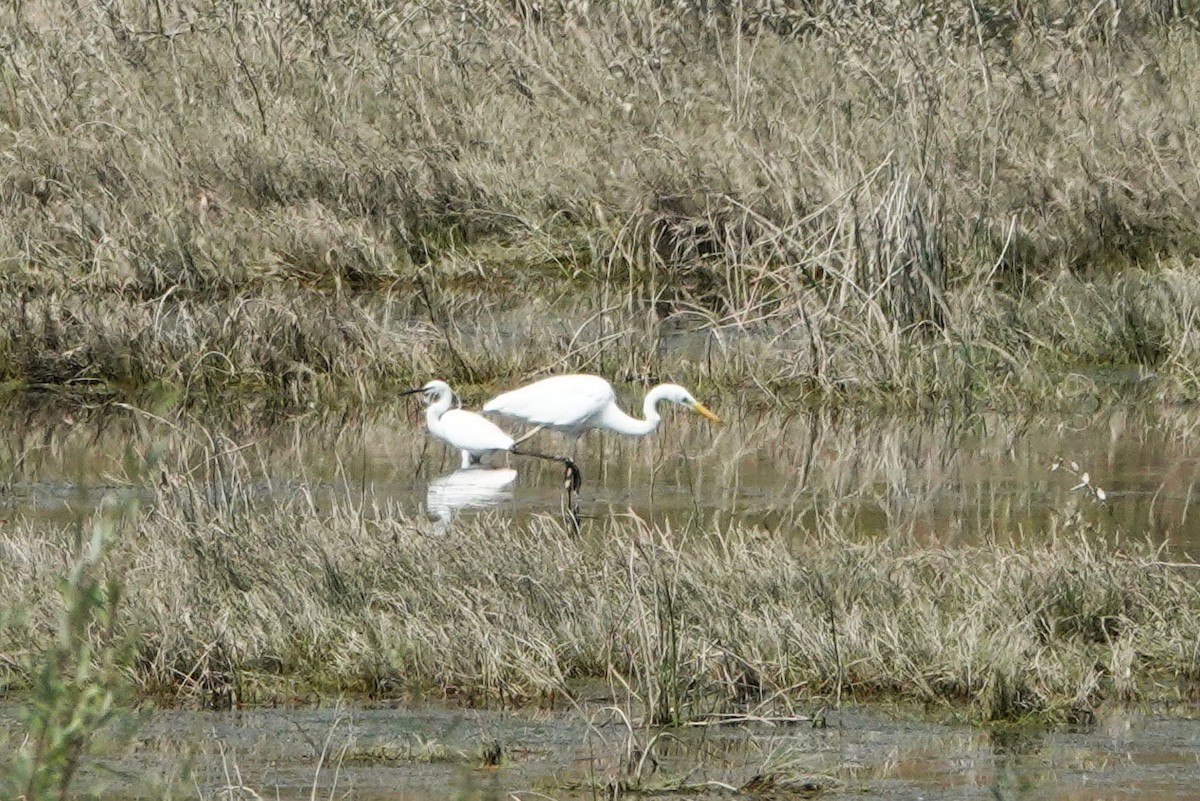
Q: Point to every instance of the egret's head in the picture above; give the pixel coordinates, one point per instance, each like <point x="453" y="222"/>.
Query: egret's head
<point x="432" y="391"/>
<point x="676" y="393"/>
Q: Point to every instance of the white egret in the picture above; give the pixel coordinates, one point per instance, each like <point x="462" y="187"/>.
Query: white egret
<point x="474" y="434"/>
<point x="573" y="404"/>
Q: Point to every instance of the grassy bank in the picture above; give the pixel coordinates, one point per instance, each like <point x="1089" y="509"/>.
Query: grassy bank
<point x="224" y="605"/>
<point x="893" y="203"/>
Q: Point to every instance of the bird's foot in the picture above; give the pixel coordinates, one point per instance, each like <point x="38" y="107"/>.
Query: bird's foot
<point x="573" y="479"/>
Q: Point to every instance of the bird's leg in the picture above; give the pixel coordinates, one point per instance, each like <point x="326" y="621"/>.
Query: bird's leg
<point x="574" y="478"/>
<point x="571" y="511"/>
<point x="527" y="435"/>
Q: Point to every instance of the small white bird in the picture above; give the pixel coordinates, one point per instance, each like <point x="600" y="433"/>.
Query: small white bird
<point x="471" y="433"/>
<point x="573" y="404"/>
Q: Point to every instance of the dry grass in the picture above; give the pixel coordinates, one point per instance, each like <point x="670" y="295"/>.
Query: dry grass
<point x="898" y="202"/>
<point x="230" y="603"/>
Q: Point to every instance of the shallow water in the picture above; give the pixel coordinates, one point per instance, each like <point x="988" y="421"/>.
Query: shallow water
<point x="940" y="478"/>
<point x="383" y="753"/>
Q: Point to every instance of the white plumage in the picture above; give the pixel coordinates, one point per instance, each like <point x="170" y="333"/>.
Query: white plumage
<point x="469" y="432"/>
<point x="473" y="434"/>
<point x="573" y="404"/>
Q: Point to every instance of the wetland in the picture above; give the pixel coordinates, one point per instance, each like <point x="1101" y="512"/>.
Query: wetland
<point x="941" y="478"/>
<point x="934" y="264"/>
<point x="434" y="752"/>
<point x="783" y="567"/>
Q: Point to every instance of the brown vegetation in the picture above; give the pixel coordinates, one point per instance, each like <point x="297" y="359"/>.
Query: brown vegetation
<point x="228" y="603"/>
<point x="899" y="201"/>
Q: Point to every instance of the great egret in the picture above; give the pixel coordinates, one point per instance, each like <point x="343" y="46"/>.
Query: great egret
<point x="573" y="404"/>
<point x="473" y="434"/>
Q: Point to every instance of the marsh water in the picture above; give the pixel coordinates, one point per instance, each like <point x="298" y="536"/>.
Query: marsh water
<point x="435" y="752"/>
<point x="941" y="478"/>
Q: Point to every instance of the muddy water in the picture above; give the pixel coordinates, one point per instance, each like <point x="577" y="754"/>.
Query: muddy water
<point x="944" y="478"/>
<point x="436" y="753"/>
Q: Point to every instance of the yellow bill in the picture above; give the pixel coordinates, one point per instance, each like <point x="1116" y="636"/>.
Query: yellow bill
<point x="704" y="410"/>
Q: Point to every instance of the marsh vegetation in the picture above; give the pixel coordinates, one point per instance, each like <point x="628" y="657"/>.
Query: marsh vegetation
<point x="224" y="221"/>
<point x="319" y="203"/>
<point x="303" y="566"/>
<point x="252" y="575"/>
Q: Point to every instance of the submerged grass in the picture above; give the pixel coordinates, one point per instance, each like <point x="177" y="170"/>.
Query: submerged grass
<point x="898" y="203"/>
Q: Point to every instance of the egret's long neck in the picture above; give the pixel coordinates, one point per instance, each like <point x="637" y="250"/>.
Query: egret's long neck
<point x="617" y="420"/>
<point x="433" y="415"/>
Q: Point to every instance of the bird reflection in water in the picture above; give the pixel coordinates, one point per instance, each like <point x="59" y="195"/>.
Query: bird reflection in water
<point x="468" y="488"/>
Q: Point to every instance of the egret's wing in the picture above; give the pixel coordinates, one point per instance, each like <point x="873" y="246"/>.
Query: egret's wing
<point x="564" y="401"/>
<point x="470" y="432"/>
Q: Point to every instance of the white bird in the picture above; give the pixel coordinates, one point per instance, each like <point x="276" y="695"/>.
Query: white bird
<point x="573" y="404"/>
<point x="471" y="433"/>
